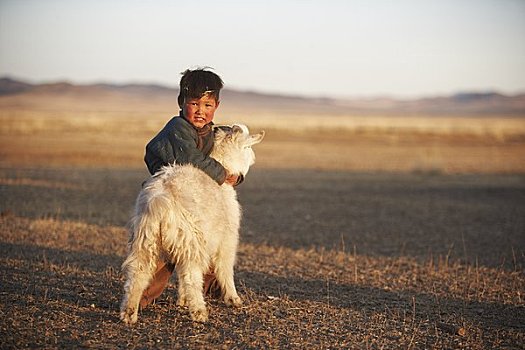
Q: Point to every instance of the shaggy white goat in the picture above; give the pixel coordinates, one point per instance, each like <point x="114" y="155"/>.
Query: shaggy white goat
<point x="183" y="216"/>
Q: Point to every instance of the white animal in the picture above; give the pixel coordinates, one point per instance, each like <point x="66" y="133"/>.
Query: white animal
<point x="183" y="216"/>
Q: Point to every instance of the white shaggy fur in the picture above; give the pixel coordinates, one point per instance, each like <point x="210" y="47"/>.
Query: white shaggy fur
<point x="183" y="216"/>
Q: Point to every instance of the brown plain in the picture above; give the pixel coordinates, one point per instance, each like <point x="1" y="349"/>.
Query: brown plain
<point x="359" y="231"/>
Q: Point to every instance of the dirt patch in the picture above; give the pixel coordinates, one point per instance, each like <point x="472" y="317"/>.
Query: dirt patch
<point x="327" y="260"/>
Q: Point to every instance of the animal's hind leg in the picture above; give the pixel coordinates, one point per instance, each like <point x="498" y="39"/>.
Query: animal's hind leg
<point x="139" y="277"/>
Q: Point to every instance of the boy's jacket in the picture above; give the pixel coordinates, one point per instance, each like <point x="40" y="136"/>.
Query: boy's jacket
<point x="181" y="143"/>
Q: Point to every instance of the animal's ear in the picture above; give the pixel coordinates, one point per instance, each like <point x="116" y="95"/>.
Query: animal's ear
<point x="222" y="128"/>
<point x="221" y="132"/>
<point x="237" y="129"/>
<point x="255" y="139"/>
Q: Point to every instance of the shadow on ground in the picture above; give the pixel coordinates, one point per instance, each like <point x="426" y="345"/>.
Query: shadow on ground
<point x="469" y="217"/>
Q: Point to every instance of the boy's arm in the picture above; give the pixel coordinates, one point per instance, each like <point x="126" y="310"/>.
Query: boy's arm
<point x="185" y="151"/>
<point x="158" y="154"/>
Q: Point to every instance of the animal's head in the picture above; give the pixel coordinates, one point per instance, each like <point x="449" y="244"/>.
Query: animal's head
<point x="233" y="147"/>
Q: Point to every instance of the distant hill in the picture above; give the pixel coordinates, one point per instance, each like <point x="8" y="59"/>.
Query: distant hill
<point x="10" y="86"/>
<point x="133" y="96"/>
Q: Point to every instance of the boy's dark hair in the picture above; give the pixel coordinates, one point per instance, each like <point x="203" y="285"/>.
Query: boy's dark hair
<point x="198" y="82"/>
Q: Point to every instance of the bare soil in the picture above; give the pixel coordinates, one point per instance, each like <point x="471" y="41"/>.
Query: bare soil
<point x="328" y="260"/>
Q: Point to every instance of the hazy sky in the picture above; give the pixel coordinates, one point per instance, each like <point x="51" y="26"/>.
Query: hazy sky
<point x="326" y="47"/>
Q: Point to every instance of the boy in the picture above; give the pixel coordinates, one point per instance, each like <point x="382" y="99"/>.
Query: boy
<point x="188" y="139"/>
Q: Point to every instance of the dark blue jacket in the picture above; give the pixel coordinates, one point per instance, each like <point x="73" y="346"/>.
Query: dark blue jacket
<point x="181" y="143"/>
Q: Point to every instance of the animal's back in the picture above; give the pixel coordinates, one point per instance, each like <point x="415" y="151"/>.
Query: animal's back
<point x="214" y="209"/>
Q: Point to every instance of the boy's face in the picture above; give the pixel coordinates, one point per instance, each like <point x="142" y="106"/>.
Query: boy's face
<point x="200" y="111"/>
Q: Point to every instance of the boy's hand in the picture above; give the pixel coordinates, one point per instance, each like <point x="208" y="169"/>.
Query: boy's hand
<point x="234" y="180"/>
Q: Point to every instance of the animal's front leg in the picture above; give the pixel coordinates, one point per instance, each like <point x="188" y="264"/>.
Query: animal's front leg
<point x="224" y="273"/>
<point x="181" y="289"/>
<point x="190" y="289"/>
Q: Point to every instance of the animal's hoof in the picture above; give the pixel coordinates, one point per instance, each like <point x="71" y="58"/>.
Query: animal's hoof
<point x="233" y="301"/>
<point x="181" y="302"/>
<point x="129" y="316"/>
<point x="200" y="315"/>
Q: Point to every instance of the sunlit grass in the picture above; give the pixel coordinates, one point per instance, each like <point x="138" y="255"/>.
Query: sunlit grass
<point x="117" y="139"/>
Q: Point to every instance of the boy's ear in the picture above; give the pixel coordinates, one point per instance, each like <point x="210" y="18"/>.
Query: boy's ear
<point x="218" y="103"/>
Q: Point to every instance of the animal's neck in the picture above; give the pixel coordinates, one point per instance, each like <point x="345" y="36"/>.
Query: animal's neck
<point x="219" y="154"/>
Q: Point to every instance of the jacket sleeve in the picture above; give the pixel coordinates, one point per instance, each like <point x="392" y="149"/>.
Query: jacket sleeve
<point x="158" y="154"/>
<point x="183" y="141"/>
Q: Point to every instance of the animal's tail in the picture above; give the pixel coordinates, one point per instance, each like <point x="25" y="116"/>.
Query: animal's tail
<point x="145" y="227"/>
<point x="162" y="225"/>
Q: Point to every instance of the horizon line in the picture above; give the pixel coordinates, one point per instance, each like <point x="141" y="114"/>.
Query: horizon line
<point x="393" y="96"/>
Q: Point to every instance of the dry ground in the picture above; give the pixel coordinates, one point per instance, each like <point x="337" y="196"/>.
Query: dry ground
<point x="379" y="240"/>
